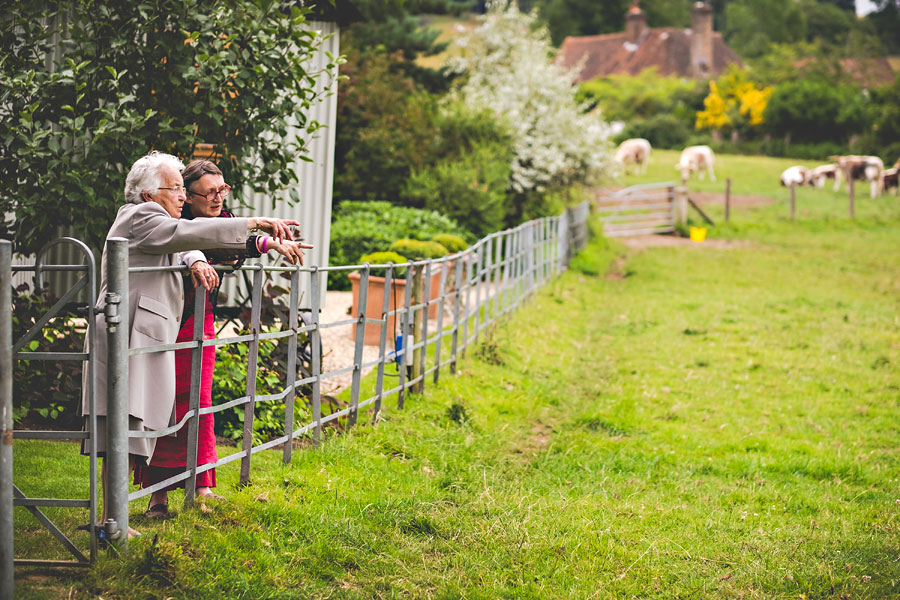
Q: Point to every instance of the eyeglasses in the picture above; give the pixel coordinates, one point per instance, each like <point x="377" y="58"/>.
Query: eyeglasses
<point x="179" y="188"/>
<point x="222" y="191"/>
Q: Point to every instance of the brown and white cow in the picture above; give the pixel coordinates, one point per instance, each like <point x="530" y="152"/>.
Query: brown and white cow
<point x="696" y="159"/>
<point x="823" y="173"/>
<point x="796" y="175"/>
<point x="865" y="168"/>
<point x="634" y="151"/>
<point x="890" y="178"/>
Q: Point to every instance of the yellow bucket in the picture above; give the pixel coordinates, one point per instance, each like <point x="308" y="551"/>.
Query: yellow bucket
<point x="698" y="234"/>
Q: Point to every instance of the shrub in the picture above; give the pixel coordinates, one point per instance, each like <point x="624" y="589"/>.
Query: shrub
<point x="419" y="250"/>
<point x="384" y="128"/>
<point x="629" y="97"/>
<point x="507" y="67"/>
<point x="813" y="110"/>
<point x="470" y="189"/>
<point x="363" y="227"/>
<point x="47" y="393"/>
<point x="662" y="131"/>
<point x="383" y="258"/>
<point x="453" y="243"/>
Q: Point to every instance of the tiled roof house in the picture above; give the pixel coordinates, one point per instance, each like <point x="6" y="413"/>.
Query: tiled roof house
<point x="698" y="52"/>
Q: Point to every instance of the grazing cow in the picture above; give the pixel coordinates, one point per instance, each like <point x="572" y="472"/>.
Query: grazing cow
<point x="890" y="177"/>
<point x="696" y="158"/>
<point x="636" y="151"/>
<point x="821" y="174"/>
<point x="867" y="168"/>
<point x="795" y="175"/>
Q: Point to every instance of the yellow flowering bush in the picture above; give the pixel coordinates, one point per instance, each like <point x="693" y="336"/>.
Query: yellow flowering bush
<point x="734" y="102"/>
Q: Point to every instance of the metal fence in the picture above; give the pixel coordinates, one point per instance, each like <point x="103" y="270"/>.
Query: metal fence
<point x="447" y="303"/>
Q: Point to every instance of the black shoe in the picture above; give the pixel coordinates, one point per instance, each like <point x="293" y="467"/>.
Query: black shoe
<point x="158" y="511"/>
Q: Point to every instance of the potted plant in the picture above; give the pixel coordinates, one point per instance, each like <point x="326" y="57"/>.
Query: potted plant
<point x="375" y="296"/>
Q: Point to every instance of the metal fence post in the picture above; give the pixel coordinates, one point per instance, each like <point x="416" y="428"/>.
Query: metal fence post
<point x="291" y="374"/>
<point x="426" y="308"/>
<point x="315" y="344"/>
<point x="404" y="333"/>
<point x="193" y="425"/>
<point x="440" y="320"/>
<point x="454" y="340"/>
<point x="358" y="347"/>
<point x="382" y="340"/>
<point x="7" y="572"/>
<point x="466" y="311"/>
<point x="117" y="327"/>
<point x="497" y="248"/>
<point x="476" y="323"/>
<point x="252" y="363"/>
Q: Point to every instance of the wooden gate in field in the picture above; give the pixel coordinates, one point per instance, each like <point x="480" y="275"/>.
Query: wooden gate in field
<point x="638" y="210"/>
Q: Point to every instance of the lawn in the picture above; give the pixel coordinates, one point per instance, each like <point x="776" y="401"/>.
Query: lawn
<point x="693" y="421"/>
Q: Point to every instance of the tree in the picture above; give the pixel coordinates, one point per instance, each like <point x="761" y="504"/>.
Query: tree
<point x="814" y="110"/>
<point x="886" y="21"/>
<point x="88" y="87"/>
<point x="384" y="127"/>
<point x="506" y="68"/>
<point x="753" y="25"/>
<point x="734" y="103"/>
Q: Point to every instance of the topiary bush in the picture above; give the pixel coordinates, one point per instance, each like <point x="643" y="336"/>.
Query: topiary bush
<point x="453" y="243"/>
<point x="363" y="227"/>
<point x="383" y="258"/>
<point x="419" y="250"/>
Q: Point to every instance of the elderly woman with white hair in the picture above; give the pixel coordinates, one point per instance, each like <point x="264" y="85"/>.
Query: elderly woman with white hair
<point x="149" y="220"/>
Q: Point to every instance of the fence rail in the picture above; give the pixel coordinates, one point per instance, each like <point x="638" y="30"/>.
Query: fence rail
<point x="465" y="293"/>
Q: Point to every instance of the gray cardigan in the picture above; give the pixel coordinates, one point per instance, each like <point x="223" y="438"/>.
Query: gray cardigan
<point x="155" y="302"/>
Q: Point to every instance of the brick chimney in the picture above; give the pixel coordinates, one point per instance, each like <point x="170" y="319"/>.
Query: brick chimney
<point x="701" y="40"/>
<point x="635" y="24"/>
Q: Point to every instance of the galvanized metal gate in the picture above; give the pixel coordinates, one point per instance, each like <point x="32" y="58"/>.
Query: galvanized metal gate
<point x="21" y="349"/>
<point x="638" y="210"/>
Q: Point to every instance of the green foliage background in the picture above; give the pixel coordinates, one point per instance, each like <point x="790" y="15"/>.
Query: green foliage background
<point x="88" y="87"/>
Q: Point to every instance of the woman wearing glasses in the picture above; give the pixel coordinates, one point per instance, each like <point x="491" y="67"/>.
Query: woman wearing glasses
<point x="150" y="221"/>
<point x="206" y="195"/>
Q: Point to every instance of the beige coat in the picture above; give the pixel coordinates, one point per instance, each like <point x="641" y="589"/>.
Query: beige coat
<point x="155" y="302"/>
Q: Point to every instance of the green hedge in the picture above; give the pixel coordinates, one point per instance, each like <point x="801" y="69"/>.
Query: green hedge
<point x="361" y="228"/>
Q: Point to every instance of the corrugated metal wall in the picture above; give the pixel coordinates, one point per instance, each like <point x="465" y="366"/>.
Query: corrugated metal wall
<point x="314" y="186"/>
<point x="314" y="189"/>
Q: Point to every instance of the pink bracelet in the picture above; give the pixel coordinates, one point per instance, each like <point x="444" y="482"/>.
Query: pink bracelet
<point x="258" y="238"/>
<point x="265" y="249"/>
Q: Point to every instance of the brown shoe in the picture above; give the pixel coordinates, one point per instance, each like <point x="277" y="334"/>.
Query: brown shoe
<point x="211" y="496"/>
<point x="158" y="511"/>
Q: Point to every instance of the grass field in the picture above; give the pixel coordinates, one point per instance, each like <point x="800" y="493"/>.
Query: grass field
<point x="678" y="422"/>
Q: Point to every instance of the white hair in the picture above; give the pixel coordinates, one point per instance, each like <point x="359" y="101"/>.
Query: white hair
<point x="144" y="175"/>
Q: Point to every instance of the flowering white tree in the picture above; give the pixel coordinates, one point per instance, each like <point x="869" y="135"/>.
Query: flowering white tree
<point x="507" y="66"/>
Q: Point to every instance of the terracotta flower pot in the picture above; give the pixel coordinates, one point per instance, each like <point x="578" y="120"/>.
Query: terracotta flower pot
<point x="375" y="303"/>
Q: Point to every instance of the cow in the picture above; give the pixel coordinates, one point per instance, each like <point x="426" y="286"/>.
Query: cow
<point x="636" y="151"/>
<point x="890" y="177"/>
<point x="696" y="158"/>
<point x="821" y="174"/>
<point x="795" y="175"/>
<point x="867" y="168"/>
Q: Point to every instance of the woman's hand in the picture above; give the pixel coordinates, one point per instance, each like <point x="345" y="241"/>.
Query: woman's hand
<point x="293" y="251"/>
<point x="204" y="275"/>
<point x="279" y="229"/>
